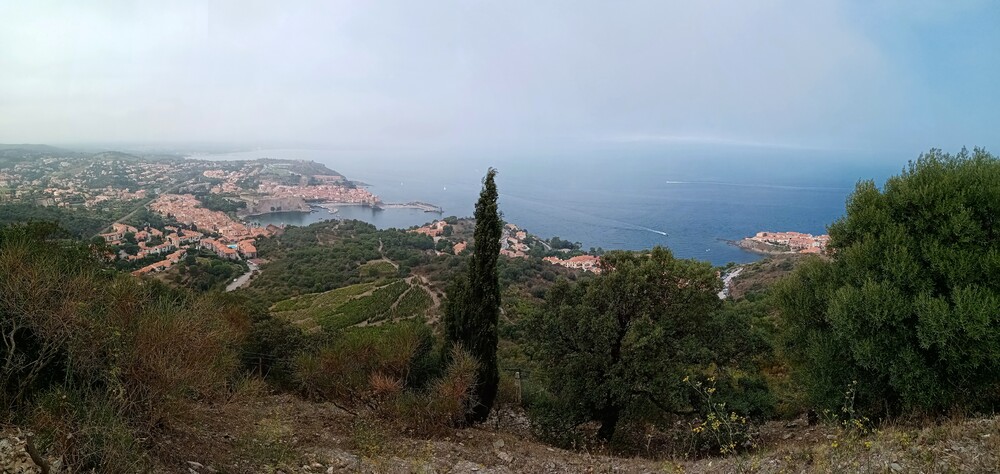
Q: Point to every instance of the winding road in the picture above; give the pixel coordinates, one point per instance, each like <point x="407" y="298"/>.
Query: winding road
<point x="243" y="279"/>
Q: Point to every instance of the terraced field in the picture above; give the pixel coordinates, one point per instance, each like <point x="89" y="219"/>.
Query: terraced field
<point x="361" y="304"/>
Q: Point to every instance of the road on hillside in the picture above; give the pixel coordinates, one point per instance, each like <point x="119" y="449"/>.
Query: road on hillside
<point x="243" y="279"/>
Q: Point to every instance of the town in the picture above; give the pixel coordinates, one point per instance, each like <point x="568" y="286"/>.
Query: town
<point x="514" y="243"/>
<point x="200" y="204"/>
<point x="785" y="242"/>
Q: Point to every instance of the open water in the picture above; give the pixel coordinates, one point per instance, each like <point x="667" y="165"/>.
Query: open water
<point x="693" y="203"/>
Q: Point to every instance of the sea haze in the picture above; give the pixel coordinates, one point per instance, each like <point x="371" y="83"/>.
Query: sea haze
<point x="630" y="201"/>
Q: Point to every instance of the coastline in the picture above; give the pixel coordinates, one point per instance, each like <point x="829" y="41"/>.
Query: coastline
<point x="760" y="248"/>
<point x="258" y="214"/>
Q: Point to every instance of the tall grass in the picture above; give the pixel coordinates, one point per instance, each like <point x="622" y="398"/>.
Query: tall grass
<point x="98" y="362"/>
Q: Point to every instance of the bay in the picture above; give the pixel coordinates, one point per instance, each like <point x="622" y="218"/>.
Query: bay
<point x="631" y="201"/>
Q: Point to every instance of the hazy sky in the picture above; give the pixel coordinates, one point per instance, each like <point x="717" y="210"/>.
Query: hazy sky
<point x="471" y="74"/>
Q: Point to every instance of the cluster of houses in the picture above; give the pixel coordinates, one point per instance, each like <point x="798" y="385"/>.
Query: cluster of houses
<point x="164" y="264"/>
<point x="325" y="192"/>
<point x="173" y="239"/>
<point x="174" y="244"/>
<point x="587" y="263"/>
<point x="795" y="241"/>
<point x="512" y="242"/>
<point x="231" y="251"/>
<point x="434" y="229"/>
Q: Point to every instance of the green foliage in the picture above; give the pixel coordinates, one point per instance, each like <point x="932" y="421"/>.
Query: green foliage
<point x="90" y="432"/>
<point x="558" y="243"/>
<point x="329" y="255"/>
<point x="619" y="346"/>
<point x="208" y="273"/>
<point x="370" y="308"/>
<point x="345" y="307"/>
<point x="81" y="223"/>
<point x="144" y="217"/>
<point x="323" y="301"/>
<point x="342" y="370"/>
<point x="414" y="303"/>
<point x="472" y="311"/>
<point x="71" y="326"/>
<point x="271" y="346"/>
<point x="908" y="310"/>
<point x="216" y="202"/>
<point x="377" y="269"/>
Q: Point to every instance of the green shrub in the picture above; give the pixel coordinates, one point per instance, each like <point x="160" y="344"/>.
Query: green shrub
<point x="89" y="431"/>
<point x="343" y="370"/>
<point x="908" y="309"/>
<point x="617" y="347"/>
<point x="445" y="403"/>
<point x="123" y="355"/>
<point x="372" y="307"/>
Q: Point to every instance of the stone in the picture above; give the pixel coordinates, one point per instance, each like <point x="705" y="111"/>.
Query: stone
<point x="505" y="457"/>
<point x="786" y="436"/>
<point x="195" y="465"/>
<point x="498" y="444"/>
<point x="896" y="467"/>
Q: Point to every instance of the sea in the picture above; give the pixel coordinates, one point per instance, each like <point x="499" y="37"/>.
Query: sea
<point x="693" y="201"/>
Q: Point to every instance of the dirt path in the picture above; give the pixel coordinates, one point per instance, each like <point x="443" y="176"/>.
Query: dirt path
<point x="434" y="312"/>
<point x="384" y="258"/>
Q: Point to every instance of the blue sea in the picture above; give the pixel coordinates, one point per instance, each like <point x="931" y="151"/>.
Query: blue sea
<point x="691" y="201"/>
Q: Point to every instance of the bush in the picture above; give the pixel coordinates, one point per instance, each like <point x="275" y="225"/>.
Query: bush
<point x="89" y="431"/>
<point x="617" y="347"/>
<point x="101" y="355"/>
<point x="908" y="310"/>
<point x="356" y="367"/>
<point x="446" y="402"/>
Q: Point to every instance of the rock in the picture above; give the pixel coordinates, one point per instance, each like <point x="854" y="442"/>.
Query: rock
<point x="329" y="470"/>
<point x="466" y="466"/>
<point x="896" y="467"/>
<point x="195" y="465"/>
<point x="786" y="436"/>
<point x="316" y="465"/>
<point x="505" y="457"/>
<point x="831" y="436"/>
<point x="498" y="444"/>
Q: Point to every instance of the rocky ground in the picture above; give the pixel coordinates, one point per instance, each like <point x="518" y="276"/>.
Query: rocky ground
<point x="14" y="457"/>
<point x="280" y="433"/>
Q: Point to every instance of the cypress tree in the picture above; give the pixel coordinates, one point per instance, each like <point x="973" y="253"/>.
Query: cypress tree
<point x="473" y="308"/>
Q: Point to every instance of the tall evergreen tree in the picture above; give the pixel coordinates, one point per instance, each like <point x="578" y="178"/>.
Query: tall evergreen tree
<point x="473" y="308"/>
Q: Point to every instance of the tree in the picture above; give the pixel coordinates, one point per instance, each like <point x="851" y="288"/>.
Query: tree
<point x="620" y="345"/>
<point x="472" y="311"/>
<point x="906" y="315"/>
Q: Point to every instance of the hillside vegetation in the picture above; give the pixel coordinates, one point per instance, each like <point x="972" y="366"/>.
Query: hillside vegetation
<point x="879" y="357"/>
<point x="363" y="303"/>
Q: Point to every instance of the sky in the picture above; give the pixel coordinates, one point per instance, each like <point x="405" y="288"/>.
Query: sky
<point x="511" y="75"/>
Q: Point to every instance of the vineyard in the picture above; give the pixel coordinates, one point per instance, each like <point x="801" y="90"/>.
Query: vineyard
<point x="361" y="304"/>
